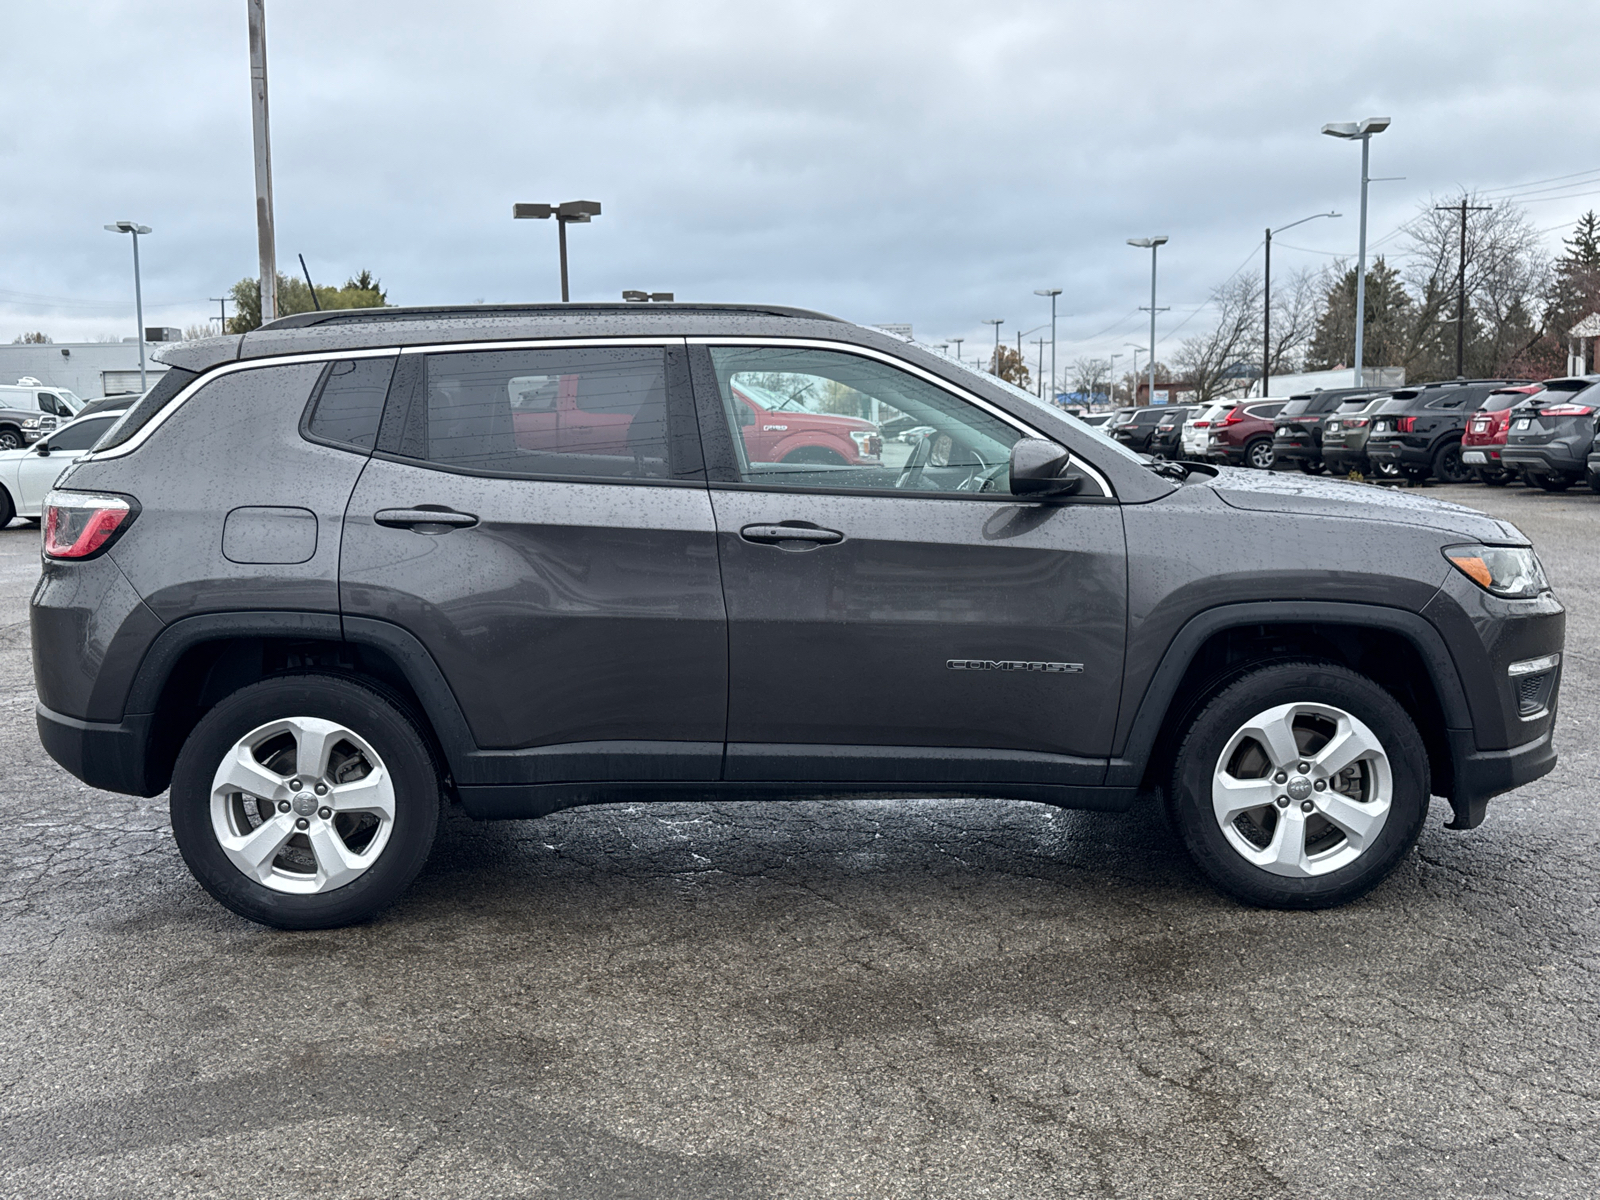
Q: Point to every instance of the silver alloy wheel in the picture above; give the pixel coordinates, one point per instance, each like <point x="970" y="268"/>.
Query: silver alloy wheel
<point x="302" y="805"/>
<point x="1302" y="789"/>
<point x="1261" y="456"/>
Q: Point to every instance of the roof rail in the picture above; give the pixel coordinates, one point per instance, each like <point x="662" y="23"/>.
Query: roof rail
<point x="349" y="316"/>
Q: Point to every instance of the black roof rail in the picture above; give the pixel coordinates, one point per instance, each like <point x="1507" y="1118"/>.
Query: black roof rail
<point x="446" y="312"/>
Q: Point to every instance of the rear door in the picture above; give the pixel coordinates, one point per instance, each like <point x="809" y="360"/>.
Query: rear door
<point x="564" y="581"/>
<point x="907" y="620"/>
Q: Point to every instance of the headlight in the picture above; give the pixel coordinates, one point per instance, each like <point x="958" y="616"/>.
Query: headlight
<point x="1509" y="571"/>
<point x="31" y="423"/>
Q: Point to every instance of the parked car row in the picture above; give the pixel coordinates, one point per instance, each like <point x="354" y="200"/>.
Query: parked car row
<point x="1455" y="431"/>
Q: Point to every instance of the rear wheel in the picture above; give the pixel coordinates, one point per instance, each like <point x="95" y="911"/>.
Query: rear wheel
<point x="1447" y="464"/>
<point x="1386" y="470"/>
<point x="1300" y="785"/>
<point x="1258" y="454"/>
<point x="305" y="801"/>
<point x="1310" y="468"/>
<point x="1493" y="476"/>
<point x="1552" y="483"/>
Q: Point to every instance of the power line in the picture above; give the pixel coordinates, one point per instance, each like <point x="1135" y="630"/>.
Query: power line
<point x="1515" y="187"/>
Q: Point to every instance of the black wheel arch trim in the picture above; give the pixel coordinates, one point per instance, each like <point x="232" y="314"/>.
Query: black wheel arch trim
<point x="1138" y="743"/>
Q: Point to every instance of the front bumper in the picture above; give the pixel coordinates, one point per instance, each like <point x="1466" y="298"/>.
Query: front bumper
<point x="1484" y="774"/>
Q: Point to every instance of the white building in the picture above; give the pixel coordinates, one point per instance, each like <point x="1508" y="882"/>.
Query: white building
<point x="88" y="369"/>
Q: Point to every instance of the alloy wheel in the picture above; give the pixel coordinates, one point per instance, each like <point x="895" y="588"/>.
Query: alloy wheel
<point x="1260" y="456"/>
<point x="1302" y="789"/>
<point x="302" y="805"/>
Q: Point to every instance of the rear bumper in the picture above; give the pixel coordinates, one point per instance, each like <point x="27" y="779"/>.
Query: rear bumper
<point x="1554" y="459"/>
<point x="1296" y="452"/>
<point x="104" y="754"/>
<point x="1339" y="460"/>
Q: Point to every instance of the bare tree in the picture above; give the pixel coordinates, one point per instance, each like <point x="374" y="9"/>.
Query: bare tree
<point x="1090" y="375"/>
<point x="1206" y="362"/>
<point x="1296" y="304"/>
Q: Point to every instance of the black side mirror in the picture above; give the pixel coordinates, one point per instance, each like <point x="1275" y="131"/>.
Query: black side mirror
<point x="1040" y="468"/>
<point x="746" y="417"/>
<point x="42" y="449"/>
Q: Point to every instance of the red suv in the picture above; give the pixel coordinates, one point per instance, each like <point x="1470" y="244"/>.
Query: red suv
<point x="1486" y="434"/>
<point x="575" y="414"/>
<point x="1243" y="438"/>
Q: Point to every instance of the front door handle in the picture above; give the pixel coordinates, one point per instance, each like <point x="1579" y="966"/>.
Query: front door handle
<point x="777" y="535"/>
<point x="441" y="520"/>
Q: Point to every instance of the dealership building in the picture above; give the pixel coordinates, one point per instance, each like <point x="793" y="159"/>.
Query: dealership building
<point x="88" y="369"/>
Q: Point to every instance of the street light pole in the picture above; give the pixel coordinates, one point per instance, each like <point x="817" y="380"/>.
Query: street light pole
<point x="1352" y="131"/>
<point x="1040" y="342"/>
<point x="1266" y="297"/>
<point x="266" y="239"/>
<point x="138" y="292"/>
<point x="994" y="368"/>
<point x="1152" y="244"/>
<point x="1052" y="293"/>
<point x="570" y="212"/>
<point x="1133" y="397"/>
<point x="1111" y="386"/>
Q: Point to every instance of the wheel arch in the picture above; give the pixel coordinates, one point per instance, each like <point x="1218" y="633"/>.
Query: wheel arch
<point x="197" y="661"/>
<point x="1397" y="649"/>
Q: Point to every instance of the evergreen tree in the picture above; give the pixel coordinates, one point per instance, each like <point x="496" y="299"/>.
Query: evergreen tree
<point x="1389" y="322"/>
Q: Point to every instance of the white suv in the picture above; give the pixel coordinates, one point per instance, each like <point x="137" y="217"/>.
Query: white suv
<point x="1197" y="428"/>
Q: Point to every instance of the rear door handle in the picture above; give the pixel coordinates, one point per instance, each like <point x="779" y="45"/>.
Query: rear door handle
<point x="443" y="519"/>
<point x="778" y="534"/>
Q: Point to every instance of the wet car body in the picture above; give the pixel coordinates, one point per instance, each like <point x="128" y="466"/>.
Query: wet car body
<point x="1486" y="431"/>
<point x="1418" y="430"/>
<point x="1551" y="434"/>
<point x="1298" y="429"/>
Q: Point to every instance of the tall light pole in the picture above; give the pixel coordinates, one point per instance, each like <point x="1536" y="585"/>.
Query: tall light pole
<point x="1362" y="132"/>
<point x="138" y="295"/>
<point x="958" y="342"/>
<point x="1022" y="333"/>
<point x="994" y="369"/>
<point x="266" y="241"/>
<point x="1052" y="293"/>
<point x="1151" y="244"/>
<point x="1137" y="350"/>
<point x="1041" y="343"/>
<point x="1266" y="297"/>
<point x="1111" y="387"/>
<point x="570" y="212"/>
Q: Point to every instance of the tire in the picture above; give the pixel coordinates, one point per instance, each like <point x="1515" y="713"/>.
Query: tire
<point x="299" y="886"/>
<point x="1415" y="474"/>
<point x="1552" y="483"/>
<point x="1285" y="856"/>
<point x="7" y="509"/>
<point x="1493" y="476"/>
<point x="1311" y="468"/>
<point x="1258" y="455"/>
<point x="1447" y="464"/>
<point x="10" y="439"/>
<point x="1594" y="482"/>
<point x="819" y="456"/>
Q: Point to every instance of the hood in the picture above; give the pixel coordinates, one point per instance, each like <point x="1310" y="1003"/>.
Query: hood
<point x="1262" y="491"/>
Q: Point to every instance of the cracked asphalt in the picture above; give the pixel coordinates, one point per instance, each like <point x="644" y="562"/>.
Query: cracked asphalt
<point x="875" y="1000"/>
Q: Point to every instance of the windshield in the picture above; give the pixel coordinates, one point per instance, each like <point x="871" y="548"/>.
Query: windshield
<point x="1098" y="434"/>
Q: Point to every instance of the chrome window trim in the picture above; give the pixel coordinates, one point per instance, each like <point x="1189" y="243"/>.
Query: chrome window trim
<point x="910" y="368"/>
<point x="282" y="360"/>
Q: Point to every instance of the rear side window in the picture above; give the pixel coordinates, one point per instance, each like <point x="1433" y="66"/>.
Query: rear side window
<point x="81" y="434"/>
<point x="136" y="418"/>
<point x="349" y="402"/>
<point x="1264" y="412"/>
<point x="588" y="412"/>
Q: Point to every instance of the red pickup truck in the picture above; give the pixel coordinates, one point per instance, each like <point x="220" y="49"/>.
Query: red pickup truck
<point x="555" y="413"/>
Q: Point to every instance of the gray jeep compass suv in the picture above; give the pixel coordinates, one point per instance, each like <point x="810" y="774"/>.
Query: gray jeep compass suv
<point x="333" y="572"/>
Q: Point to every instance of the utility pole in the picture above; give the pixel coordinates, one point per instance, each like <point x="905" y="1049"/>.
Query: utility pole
<point x="1461" y="281"/>
<point x="265" y="239"/>
<point x="222" y="302"/>
<point x="958" y="342"/>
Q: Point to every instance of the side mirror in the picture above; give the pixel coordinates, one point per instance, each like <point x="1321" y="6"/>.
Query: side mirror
<point x="746" y="417"/>
<point x="1040" y="468"/>
<point x="42" y="449"/>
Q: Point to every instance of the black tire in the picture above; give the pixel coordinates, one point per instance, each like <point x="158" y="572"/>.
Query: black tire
<point x="1447" y="464"/>
<point x="374" y="716"/>
<point x="1493" y="476"/>
<point x="1415" y="474"/>
<point x="819" y="456"/>
<point x="7" y="509"/>
<point x="1258" y="455"/>
<point x="10" y="439"/>
<point x="1594" y="482"/>
<point x="1189" y="797"/>
<point x="1552" y="483"/>
<point x="1310" y="468"/>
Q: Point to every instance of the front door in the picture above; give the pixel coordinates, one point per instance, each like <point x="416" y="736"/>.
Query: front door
<point x="565" y="585"/>
<point x="907" y="620"/>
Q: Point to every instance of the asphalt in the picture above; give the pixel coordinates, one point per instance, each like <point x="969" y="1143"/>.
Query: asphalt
<point x="875" y="1000"/>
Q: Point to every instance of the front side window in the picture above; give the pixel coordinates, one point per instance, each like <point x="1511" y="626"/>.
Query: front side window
<point x="593" y="412"/>
<point x="831" y="420"/>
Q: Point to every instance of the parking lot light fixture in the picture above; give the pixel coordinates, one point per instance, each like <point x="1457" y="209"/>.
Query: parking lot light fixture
<point x="957" y="343"/>
<point x="569" y="212"/>
<point x="1052" y="293"/>
<point x="1151" y="244"/>
<point x="1266" y="295"/>
<point x="138" y="297"/>
<point x="996" y="322"/>
<point x="1361" y="131"/>
<point x="634" y="297"/>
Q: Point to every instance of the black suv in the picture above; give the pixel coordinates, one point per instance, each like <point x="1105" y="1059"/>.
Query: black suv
<point x="1418" y="429"/>
<point x="1297" y="429"/>
<point x="1135" y="428"/>
<point x="1551" y="433"/>
<point x="336" y="570"/>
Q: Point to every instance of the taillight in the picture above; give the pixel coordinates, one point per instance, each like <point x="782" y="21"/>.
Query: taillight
<point x="1355" y="422"/>
<point x="1202" y="424"/>
<point x="1233" y="418"/>
<point x="1405" y="425"/>
<point x="1566" y="410"/>
<point x="82" y="524"/>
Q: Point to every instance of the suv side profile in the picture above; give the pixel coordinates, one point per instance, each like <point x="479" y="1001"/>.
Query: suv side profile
<point x="320" y="580"/>
<point x="1243" y="438"/>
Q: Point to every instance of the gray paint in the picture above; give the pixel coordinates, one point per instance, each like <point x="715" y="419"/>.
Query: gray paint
<point x="269" y="534"/>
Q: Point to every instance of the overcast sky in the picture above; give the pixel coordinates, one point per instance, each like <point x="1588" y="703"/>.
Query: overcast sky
<point x="929" y="163"/>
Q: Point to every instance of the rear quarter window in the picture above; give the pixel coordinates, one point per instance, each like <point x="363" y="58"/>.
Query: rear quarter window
<point x="137" y="417"/>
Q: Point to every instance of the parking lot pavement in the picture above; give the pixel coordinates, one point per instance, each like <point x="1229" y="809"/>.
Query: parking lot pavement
<point x="907" y="999"/>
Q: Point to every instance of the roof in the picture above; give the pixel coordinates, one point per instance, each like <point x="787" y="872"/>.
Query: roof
<point x="1588" y="327"/>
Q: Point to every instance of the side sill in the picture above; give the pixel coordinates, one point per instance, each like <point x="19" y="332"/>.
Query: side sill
<point x="527" y="801"/>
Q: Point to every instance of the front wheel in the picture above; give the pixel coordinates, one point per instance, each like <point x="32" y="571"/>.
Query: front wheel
<point x="1493" y="476"/>
<point x="1311" y="468"/>
<point x="1448" y="467"/>
<point x="1552" y="483"/>
<point x="1300" y="785"/>
<point x="1258" y="455"/>
<point x="305" y="801"/>
<point x="10" y="439"/>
